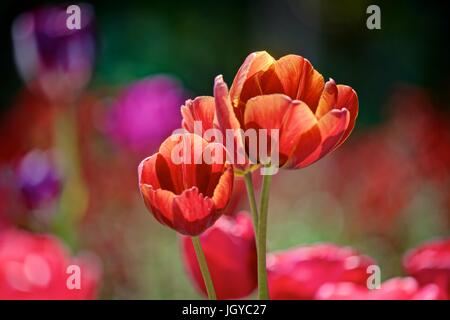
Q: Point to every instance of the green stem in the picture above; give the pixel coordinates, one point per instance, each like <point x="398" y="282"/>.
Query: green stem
<point x="262" y="239"/>
<point x="251" y="199"/>
<point x="204" y="268"/>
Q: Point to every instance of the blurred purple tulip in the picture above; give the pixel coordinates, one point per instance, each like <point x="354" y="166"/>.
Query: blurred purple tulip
<point x="50" y="57"/>
<point x="146" y="113"/>
<point x="38" y="179"/>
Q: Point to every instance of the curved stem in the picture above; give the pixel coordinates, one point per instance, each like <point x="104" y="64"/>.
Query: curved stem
<point x="204" y="268"/>
<point x="262" y="239"/>
<point x="251" y="199"/>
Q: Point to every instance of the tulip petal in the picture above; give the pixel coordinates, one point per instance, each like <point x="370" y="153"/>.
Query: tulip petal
<point x="255" y="62"/>
<point x="159" y="202"/>
<point x="291" y="75"/>
<point x="226" y="118"/>
<point x="328" y="99"/>
<point x="347" y="98"/>
<point x="299" y="79"/>
<point x="328" y="133"/>
<point x="193" y="213"/>
<point x="179" y="175"/>
<point x="216" y="156"/>
<point x="224" y="188"/>
<point x="200" y="109"/>
<point x="147" y="172"/>
<point x="277" y="111"/>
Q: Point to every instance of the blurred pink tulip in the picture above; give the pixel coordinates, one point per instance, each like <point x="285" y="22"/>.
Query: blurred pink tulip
<point x="430" y="263"/>
<point x="298" y="273"/>
<point x="37" y="267"/>
<point x="393" y="289"/>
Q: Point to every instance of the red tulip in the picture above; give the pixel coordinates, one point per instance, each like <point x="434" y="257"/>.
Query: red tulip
<point x="187" y="197"/>
<point x="313" y="117"/>
<point x="36" y="267"/>
<point x="230" y="252"/>
<point x="394" y="289"/>
<point x="298" y="273"/>
<point x="430" y="263"/>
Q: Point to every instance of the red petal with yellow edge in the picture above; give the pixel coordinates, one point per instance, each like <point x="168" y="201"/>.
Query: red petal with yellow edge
<point x="181" y="174"/>
<point x="291" y="75"/>
<point x="307" y="144"/>
<point x="216" y="156"/>
<point x="347" y="98"/>
<point x="187" y="194"/>
<point x="255" y="62"/>
<point x="328" y="99"/>
<point x="160" y="203"/>
<point x="193" y="213"/>
<point x="147" y="172"/>
<point x="226" y="118"/>
<point x="299" y="79"/>
<point x="224" y="189"/>
<point x="200" y="109"/>
<point x="329" y="130"/>
<point x="278" y="111"/>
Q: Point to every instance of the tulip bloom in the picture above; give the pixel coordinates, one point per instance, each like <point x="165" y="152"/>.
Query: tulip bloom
<point x="394" y="289"/>
<point x="289" y="95"/>
<point x="37" y="267"/>
<point x="230" y="252"/>
<point x="189" y="196"/>
<point x="298" y="273"/>
<point x="430" y="263"/>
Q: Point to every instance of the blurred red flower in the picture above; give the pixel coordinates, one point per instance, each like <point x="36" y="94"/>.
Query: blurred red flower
<point x="230" y="252"/>
<point x="430" y="263"/>
<point x="35" y="266"/>
<point x="393" y="289"/>
<point x="28" y="125"/>
<point x="393" y="164"/>
<point x="382" y="183"/>
<point x="298" y="273"/>
<point x="188" y="197"/>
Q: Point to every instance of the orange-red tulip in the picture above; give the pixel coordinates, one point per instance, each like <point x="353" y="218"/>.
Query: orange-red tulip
<point x="313" y="117"/>
<point x="188" y="196"/>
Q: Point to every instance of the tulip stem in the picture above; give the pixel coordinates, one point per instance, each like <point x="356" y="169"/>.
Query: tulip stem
<point x="251" y="199"/>
<point x="262" y="239"/>
<point x="204" y="268"/>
